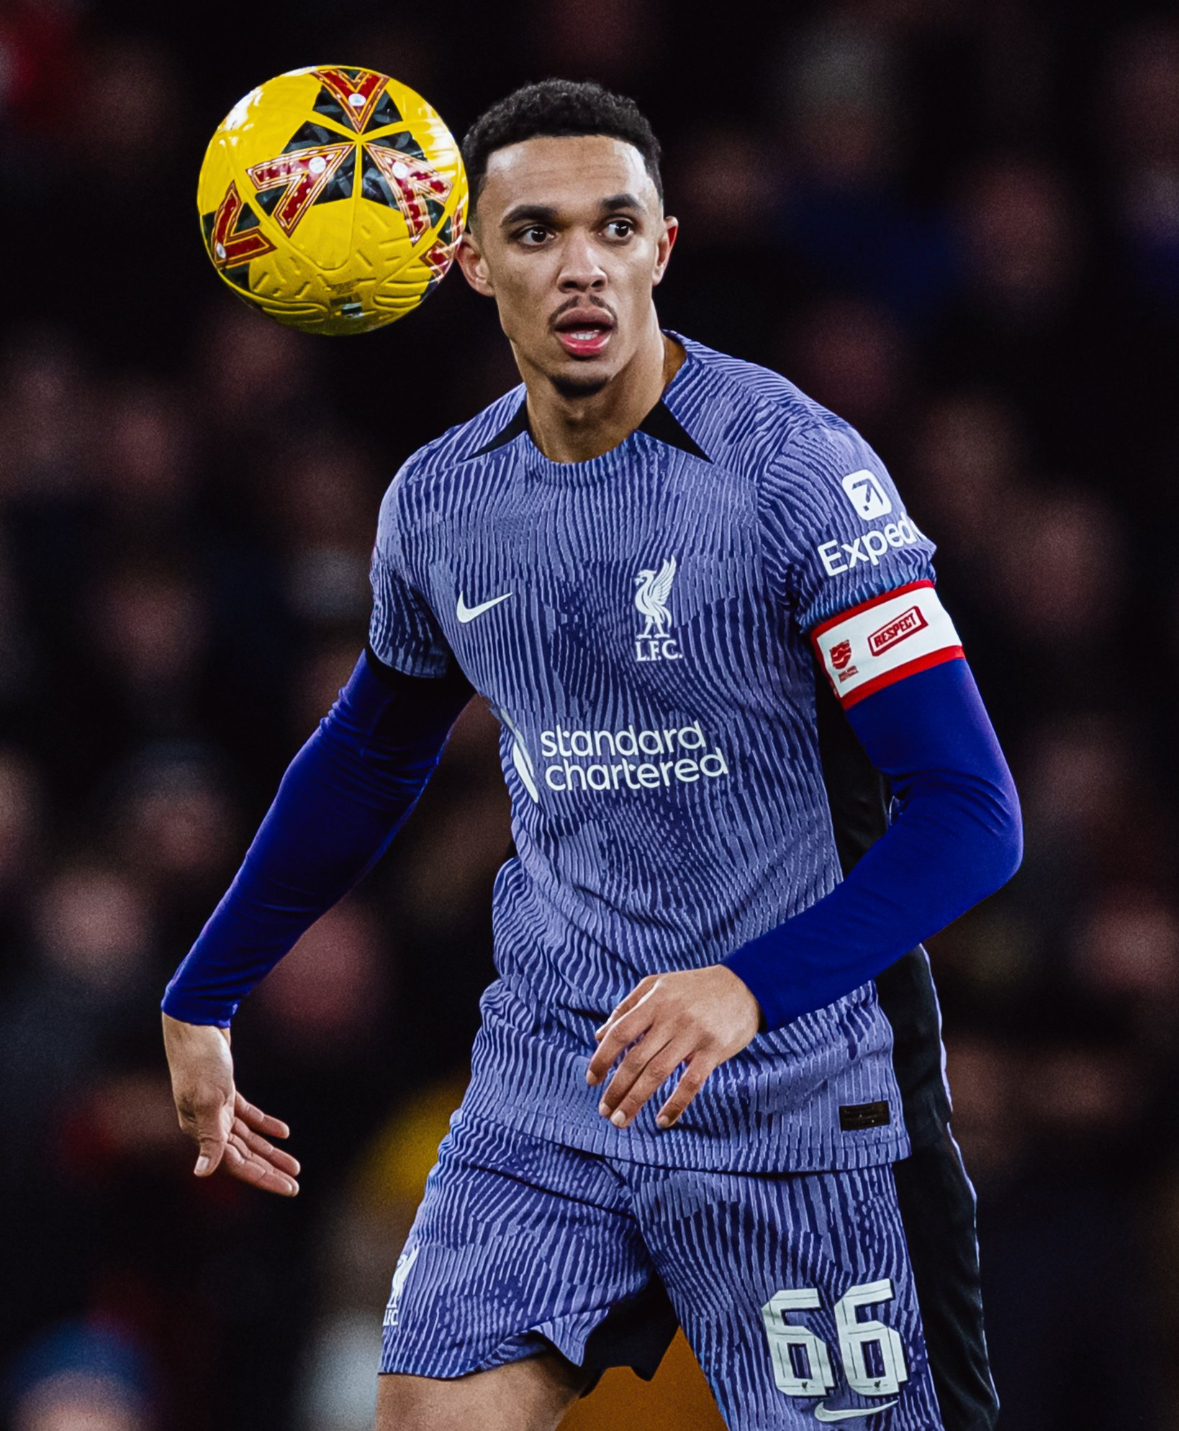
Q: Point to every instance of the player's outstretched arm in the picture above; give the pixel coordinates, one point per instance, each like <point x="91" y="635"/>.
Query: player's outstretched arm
<point x="340" y="803"/>
<point x="228" y="1131"/>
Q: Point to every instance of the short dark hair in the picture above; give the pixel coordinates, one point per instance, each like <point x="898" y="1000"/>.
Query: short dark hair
<point x="557" y="109"/>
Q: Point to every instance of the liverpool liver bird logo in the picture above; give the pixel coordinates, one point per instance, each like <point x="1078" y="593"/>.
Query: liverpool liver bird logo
<point x="651" y="598"/>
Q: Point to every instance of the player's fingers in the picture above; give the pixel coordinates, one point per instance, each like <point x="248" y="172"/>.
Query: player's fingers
<point x="212" y="1150"/>
<point x="251" y="1150"/>
<point x="692" y="1081"/>
<point x="632" y="1068"/>
<point x="621" y="1034"/>
<point x="656" y="1072"/>
<point x="206" y="1118"/>
<point x="261" y="1177"/>
<point x="635" y="997"/>
<point x="255" y="1170"/>
<point x="259" y="1121"/>
<point x="261" y="1148"/>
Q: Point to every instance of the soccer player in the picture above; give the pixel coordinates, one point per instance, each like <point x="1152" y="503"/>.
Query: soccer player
<point x="707" y="1088"/>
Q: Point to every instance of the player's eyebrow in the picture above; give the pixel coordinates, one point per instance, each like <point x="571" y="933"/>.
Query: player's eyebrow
<point x="529" y="213"/>
<point x="620" y="201"/>
<point x="546" y="214"/>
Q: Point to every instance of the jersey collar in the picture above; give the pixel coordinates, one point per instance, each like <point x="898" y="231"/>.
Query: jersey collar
<point x="660" y="423"/>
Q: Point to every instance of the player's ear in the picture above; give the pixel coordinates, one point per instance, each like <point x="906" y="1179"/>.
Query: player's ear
<point x="473" y="262"/>
<point x="663" y="248"/>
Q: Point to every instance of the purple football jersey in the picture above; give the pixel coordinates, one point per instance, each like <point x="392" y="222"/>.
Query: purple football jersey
<point x="640" y="625"/>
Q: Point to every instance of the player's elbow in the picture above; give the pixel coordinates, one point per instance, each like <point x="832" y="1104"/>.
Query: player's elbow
<point x="1001" y="853"/>
<point x="1008" y="855"/>
<point x="978" y="842"/>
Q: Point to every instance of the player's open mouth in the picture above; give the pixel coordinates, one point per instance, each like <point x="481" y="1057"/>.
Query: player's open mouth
<point x="584" y="334"/>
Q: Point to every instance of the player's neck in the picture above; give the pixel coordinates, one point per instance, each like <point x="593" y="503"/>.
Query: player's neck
<point x="576" y="429"/>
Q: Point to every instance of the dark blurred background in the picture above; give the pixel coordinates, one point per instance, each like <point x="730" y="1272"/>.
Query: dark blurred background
<point x="957" y="225"/>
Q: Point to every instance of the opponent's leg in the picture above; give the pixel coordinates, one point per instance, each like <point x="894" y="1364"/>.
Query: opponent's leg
<point x="530" y="1395"/>
<point x="938" y="1210"/>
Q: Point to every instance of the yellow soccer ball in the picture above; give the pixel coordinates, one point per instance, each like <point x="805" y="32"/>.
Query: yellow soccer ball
<point x="332" y="198"/>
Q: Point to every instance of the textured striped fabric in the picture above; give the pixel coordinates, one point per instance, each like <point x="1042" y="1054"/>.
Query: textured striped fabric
<point x="795" y="1291"/>
<point x="639" y="625"/>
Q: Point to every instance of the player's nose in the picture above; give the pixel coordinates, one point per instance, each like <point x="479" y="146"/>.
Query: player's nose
<point x="580" y="265"/>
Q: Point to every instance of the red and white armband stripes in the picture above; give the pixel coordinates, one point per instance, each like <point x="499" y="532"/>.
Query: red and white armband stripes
<point x="884" y="640"/>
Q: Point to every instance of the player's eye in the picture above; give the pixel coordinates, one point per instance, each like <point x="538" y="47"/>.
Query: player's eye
<point x="532" y="236"/>
<point x="620" y="228"/>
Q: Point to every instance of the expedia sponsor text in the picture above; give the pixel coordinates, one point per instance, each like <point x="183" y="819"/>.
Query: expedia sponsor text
<point x="839" y="557"/>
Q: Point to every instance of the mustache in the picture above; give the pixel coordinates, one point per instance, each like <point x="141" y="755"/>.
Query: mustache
<point x="575" y="303"/>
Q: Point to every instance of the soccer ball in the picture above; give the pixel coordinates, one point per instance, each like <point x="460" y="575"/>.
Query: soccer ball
<point x="332" y="198"/>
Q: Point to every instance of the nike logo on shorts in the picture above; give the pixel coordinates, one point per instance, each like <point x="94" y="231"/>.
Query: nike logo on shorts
<point x="467" y="613"/>
<point x="822" y="1414"/>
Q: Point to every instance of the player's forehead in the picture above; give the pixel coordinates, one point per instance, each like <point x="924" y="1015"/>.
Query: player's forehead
<point x="571" y="175"/>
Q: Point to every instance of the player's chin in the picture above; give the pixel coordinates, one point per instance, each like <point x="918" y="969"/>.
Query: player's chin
<point x="582" y="376"/>
<point x="579" y="383"/>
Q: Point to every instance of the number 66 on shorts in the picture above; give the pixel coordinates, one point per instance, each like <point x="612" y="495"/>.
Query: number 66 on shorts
<point x="873" y="1355"/>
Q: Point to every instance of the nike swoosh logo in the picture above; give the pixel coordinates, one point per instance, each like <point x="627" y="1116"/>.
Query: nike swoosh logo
<point x="467" y="613"/>
<point x="822" y="1414"/>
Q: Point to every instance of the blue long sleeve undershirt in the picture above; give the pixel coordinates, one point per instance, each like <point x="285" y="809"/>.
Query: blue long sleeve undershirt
<point x="956" y="839"/>
<point x="343" y="798"/>
<point x="347" y="792"/>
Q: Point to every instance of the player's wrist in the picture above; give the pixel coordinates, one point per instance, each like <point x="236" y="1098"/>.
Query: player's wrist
<point x="756" y="1008"/>
<point x="182" y="1006"/>
<point x="747" y="965"/>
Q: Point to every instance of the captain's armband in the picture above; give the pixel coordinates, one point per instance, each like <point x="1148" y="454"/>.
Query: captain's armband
<point x="884" y="640"/>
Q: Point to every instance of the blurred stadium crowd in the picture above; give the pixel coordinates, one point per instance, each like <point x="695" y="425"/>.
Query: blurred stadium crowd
<point x="955" y="224"/>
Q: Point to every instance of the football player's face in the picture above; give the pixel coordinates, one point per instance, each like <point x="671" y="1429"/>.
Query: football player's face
<point x="570" y="239"/>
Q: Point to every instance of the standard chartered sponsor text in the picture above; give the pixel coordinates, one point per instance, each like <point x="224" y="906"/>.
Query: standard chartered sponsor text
<point x="590" y="759"/>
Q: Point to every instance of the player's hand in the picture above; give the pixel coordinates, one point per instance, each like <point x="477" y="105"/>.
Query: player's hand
<point x="230" y="1132"/>
<point x="699" y="1017"/>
